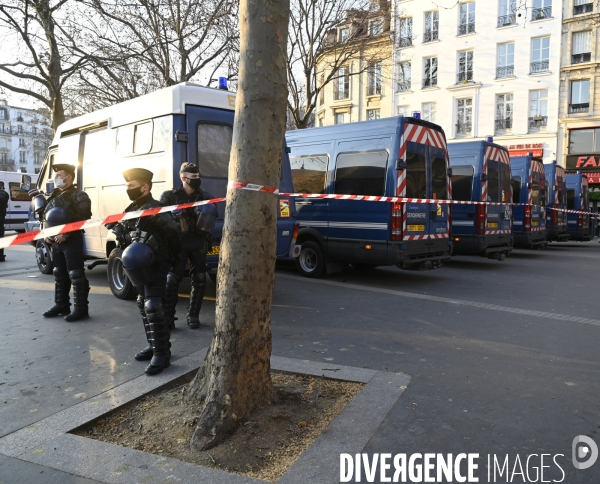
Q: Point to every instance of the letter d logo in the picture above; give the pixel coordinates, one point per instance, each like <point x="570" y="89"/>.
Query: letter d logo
<point x="587" y="451"/>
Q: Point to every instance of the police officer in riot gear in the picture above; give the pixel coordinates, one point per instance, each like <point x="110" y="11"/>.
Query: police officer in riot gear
<point x="3" y="205"/>
<point x="67" y="204"/>
<point x="152" y="245"/>
<point x="195" y="245"/>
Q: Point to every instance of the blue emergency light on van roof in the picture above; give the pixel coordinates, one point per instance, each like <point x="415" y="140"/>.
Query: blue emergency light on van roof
<point x="489" y="139"/>
<point x="223" y="83"/>
<point x="416" y="114"/>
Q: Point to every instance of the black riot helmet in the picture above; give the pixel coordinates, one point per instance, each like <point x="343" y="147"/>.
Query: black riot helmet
<point x="137" y="262"/>
<point x="57" y="216"/>
<point x="207" y="216"/>
<point x="38" y="203"/>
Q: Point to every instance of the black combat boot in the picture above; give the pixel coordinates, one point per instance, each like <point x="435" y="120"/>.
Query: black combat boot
<point x="196" y="297"/>
<point x="147" y="352"/>
<point x="159" y="333"/>
<point x="171" y="298"/>
<point x="81" y="289"/>
<point x="62" y="286"/>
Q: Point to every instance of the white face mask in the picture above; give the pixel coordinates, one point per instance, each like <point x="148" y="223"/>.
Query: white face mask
<point x="59" y="182"/>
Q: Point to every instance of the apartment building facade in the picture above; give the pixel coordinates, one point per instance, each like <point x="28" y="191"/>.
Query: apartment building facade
<point x="25" y="135"/>
<point x="579" y="103"/>
<point x="482" y="68"/>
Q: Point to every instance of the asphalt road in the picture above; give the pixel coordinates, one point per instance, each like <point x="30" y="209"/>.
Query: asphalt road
<point x="503" y="355"/>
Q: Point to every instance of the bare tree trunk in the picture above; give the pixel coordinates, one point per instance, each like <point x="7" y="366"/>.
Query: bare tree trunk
<point x="235" y="377"/>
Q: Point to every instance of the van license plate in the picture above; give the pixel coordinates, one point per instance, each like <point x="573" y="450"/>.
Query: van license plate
<point x="214" y="250"/>
<point x="535" y="223"/>
<point x="416" y="228"/>
<point x="493" y="225"/>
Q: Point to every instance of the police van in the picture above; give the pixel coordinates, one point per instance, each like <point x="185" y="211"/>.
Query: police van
<point x="481" y="173"/>
<point x="19" y="201"/>
<point x="556" y="200"/>
<point x="397" y="156"/>
<point x="158" y="131"/>
<point x="529" y="198"/>
<point x="578" y="199"/>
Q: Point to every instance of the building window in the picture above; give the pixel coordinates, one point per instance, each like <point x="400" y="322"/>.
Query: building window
<point x="19" y="129"/>
<point x="22" y="157"/>
<point x="540" y="55"/>
<point x="466" y="24"/>
<point x="404" y="76"/>
<point x="375" y="27"/>
<point x="464" y="120"/>
<point x="582" y="6"/>
<point x="465" y="67"/>
<point x="20" y="116"/>
<point x="428" y="112"/>
<point x="430" y="68"/>
<point x="37" y="171"/>
<point x="2" y="113"/>
<point x="374" y="73"/>
<point x="373" y="114"/>
<point x="404" y="110"/>
<point x="584" y="141"/>
<point x="582" y="47"/>
<point x="322" y="89"/>
<point x="432" y="21"/>
<point x="406" y="32"/>
<point x="34" y="130"/>
<point x="2" y="157"/>
<point x="23" y="169"/>
<point x="340" y="118"/>
<point x="538" y="110"/>
<point x="343" y="34"/>
<point x="507" y="15"/>
<point x="580" y="97"/>
<point x="21" y="142"/>
<point x="541" y="9"/>
<point x="506" y="60"/>
<point x="36" y="158"/>
<point x="342" y="84"/>
<point x="504" y="113"/>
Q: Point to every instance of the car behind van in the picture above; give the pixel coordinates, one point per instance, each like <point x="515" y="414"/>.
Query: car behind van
<point x="17" y="212"/>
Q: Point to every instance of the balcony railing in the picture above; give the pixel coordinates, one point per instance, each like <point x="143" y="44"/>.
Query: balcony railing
<point x="464" y="77"/>
<point x="541" y="66"/>
<point x="538" y="121"/>
<point x="430" y="82"/>
<point x="579" y="58"/>
<point x="505" y="71"/>
<point x="502" y="124"/>
<point x="430" y="36"/>
<point x="467" y="28"/>
<point x="579" y="108"/>
<point x="463" y="128"/>
<point x="403" y="86"/>
<point x="405" y="42"/>
<point x="585" y="8"/>
<point x="505" y="20"/>
<point x="541" y="13"/>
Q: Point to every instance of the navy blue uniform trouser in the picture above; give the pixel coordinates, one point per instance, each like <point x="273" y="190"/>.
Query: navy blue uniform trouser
<point x="194" y="250"/>
<point x="68" y="255"/>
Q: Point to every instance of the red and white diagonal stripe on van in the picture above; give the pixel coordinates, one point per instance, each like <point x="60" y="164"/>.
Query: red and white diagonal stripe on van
<point x="497" y="232"/>
<point x="426" y="236"/>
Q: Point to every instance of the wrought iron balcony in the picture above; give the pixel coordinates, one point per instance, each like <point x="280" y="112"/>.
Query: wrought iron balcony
<point x="467" y="28"/>
<point x="585" y="8"/>
<point x="430" y="82"/>
<point x="538" y="121"/>
<point x="502" y="124"/>
<point x="541" y="66"/>
<point x="579" y="58"/>
<point x="405" y="42"/>
<point x="506" y="20"/>
<point x="463" y="128"/>
<point x="505" y="71"/>
<point x="579" y="108"/>
<point x="403" y="86"/>
<point x="464" y="77"/>
<point x="430" y="36"/>
<point x="541" y="13"/>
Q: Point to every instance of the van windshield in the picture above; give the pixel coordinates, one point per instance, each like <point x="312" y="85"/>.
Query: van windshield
<point x="416" y="175"/>
<point x="462" y="183"/>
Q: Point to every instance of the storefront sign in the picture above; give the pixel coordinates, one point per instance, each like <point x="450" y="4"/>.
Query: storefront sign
<point x="536" y="149"/>
<point x="583" y="162"/>
<point x="593" y="177"/>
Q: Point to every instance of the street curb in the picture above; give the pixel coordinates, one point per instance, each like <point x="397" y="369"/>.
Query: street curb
<point x="49" y="444"/>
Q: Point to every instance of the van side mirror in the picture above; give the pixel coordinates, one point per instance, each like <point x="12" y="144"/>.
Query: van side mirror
<point x="25" y="182"/>
<point x="401" y="164"/>
<point x="484" y="177"/>
<point x="449" y="172"/>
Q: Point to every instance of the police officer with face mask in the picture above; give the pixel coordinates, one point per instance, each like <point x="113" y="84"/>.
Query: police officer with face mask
<point x="152" y="245"/>
<point x="67" y="204"/>
<point x="195" y="245"/>
<point x="3" y="205"/>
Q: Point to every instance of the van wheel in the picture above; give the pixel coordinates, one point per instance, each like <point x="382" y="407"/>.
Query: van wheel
<point x="311" y="261"/>
<point x="359" y="266"/>
<point x="42" y="256"/>
<point x="119" y="283"/>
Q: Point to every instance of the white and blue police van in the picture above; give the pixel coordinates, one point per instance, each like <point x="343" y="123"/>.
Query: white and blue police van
<point x="391" y="157"/>
<point x="159" y="131"/>
<point x="19" y="201"/>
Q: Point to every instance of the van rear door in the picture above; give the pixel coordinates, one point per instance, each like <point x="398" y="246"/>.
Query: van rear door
<point x="416" y="222"/>
<point x="537" y="195"/>
<point x="438" y="212"/>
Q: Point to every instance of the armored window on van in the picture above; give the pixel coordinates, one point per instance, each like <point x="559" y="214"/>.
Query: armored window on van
<point x="17" y="194"/>
<point x="309" y="173"/>
<point x="462" y="183"/>
<point x="214" y="148"/>
<point x="516" y="188"/>
<point x="416" y="175"/>
<point x="361" y="173"/>
<point x="493" y="182"/>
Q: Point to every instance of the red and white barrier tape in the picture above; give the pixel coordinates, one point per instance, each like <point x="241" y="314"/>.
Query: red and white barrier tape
<point x="95" y="222"/>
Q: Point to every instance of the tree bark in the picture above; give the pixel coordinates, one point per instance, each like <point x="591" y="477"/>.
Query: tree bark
<point x="235" y="376"/>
